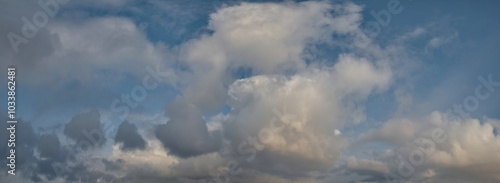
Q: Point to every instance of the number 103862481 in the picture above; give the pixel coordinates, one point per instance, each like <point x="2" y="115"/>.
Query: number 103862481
<point x="11" y="94"/>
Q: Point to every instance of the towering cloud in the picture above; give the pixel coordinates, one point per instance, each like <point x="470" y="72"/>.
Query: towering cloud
<point x="265" y="38"/>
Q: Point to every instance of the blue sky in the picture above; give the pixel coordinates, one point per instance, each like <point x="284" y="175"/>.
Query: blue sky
<point x="202" y="77"/>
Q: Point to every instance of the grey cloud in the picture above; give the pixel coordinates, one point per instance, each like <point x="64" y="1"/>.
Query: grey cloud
<point x="130" y="137"/>
<point x="26" y="142"/>
<point x="186" y="134"/>
<point x="49" y="146"/>
<point x="113" y="165"/>
<point x="86" y="127"/>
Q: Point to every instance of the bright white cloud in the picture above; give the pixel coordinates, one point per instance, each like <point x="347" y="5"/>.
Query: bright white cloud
<point x="468" y="149"/>
<point x="268" y="38"/>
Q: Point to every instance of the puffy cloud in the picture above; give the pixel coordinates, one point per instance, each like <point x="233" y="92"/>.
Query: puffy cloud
<point x="186" y="133"/>
<point x="269" y="40"/>
<point x="86" y="127"/>
<point x="451" y="150"/>
<point x="470" y="153"/>
<point x="88" y="50"/>
<point x="76" y="55"/>
<point x="128" y="135"/>
<point x="395" y="131"/>
<point x="49" y="146"/>
<point x="153" y="161"/>
<point x="259" y="36"/>
<point x="320" y="100"/>
<point x="262" y="37"/>
<point x="94" y="48"/>
<point x="360" y="76"/>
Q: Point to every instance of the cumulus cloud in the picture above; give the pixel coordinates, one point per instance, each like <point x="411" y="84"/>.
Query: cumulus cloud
<point x="152" y="162"/>
<point x="395" y="131"/>
<point x="262" y="37"/>
<point x="49" y="146"/>
<point x="86" y="127"/>
<point x="470" y="153"/>
<point x="88" y="50"/>
<point x="76" y="55"/>
<point x="186" y="133"/>
<point x="128" y="135"/>
<point x="321" y="100"/>
<point x="458" y="149"/>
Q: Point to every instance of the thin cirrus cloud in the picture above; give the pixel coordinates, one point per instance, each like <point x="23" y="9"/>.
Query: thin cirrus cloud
<point x="262" y="92"/>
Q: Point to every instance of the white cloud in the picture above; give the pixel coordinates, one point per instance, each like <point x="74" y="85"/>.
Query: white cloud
<point x="437" y="42"/>
<point x="354" y="163"/>
<point x="265" y="37"/>
<point x="89" y="50"/>
<point x="471" y="153"/>
<point x="321" y="100"/>
<point x="468" y="150"/>
<point x="269" y="39"/>
<point x="154" y="159"/>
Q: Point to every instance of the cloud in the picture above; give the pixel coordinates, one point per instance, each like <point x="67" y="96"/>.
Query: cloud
<point x="113" y="46"/>
<point x="466" y="151"/>
<point x="395" y="131"/>
<point x="153" y="161"/>
<point x="186" y="134"/>
<point x="88" y="50"/>
<point x="254" y="88"/>
<point x="86" y="127"/>
<point x="77" y="55"/>
<point x="470" y="153"/>
<point x="49" y="146"/>
<point x="263" y="38"/>
<point x="437" y="42"/>
<point x="269" y="40"/>
<point x="128" y="135"/>
<point x="156" y="164"/>
<point x="354" y="163"/>
<point x="261" y="177"/>
<point x="321" y="100"/>
<point x="362" y="170"/>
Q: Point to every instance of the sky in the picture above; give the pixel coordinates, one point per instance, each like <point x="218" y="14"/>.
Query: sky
<point x="281" y="91"/>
